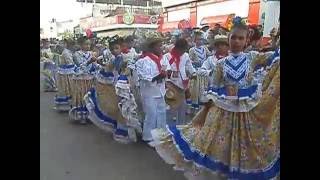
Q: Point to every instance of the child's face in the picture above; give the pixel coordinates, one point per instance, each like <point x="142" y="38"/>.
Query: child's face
<point x="198" y="40"/>
<point x="86" y="45"/>
<point x="157" y="48"/>
<point x="124" y="45"/>
<point x="237" y="40"/>
<point x="116" y="50"/>
<point x="222" y="48"/>
<point x="130" y="44"/>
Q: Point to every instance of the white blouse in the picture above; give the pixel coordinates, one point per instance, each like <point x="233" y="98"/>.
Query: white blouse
<point x="147" y="69"/>
<point x="184" y="67"/>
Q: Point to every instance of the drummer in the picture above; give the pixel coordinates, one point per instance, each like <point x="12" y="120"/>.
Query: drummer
<point x="181" y="67"/>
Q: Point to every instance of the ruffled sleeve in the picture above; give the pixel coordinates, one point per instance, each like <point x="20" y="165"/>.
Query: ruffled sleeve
<point x="144" y="73"/>
<point x="263" y="60"/>
<point x="192" y="55"/>
<point x="189" y="68"/>
<point x="208" y="53"/>
<point x="67" y="58"/>
<point x="217" y="74"/>
<point x="207" y="67"/>
<point x="246" y="98"/>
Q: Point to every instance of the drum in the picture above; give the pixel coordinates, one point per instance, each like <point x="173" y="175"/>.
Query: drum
<point x="174" y="96"/>
<point x="63" y="97"/>
<point x="80" y="85"/>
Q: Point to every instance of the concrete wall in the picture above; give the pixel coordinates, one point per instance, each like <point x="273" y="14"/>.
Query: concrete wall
<point x="272" y="13"/>
<point x="179" y="15"/>
<point x="239" y="7"/>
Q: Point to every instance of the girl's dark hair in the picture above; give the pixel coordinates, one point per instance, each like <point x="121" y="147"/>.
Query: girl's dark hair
<point x="181" y="44"/>
<point x="240" y="26"/>
<point x="82" y="40"/>
<point x="113" y="43"/>
<point x="256" y="34"/>
<point x="129" y="39"/>
<point x="69" y="42"/>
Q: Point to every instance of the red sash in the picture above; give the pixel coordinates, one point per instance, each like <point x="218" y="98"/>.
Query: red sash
<point x="155" y="59"/>
<point x="175" y="57"/>
<point x="125" y="50"/>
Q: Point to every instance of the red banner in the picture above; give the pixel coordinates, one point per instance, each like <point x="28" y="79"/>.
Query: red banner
<point x="184" y="24"/>
<point x="138" y="19"/>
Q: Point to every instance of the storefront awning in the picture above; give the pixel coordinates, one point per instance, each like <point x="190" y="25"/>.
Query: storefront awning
<point x="169" y="26"/>
<point x="173" y="25"/>
<point x="212" y="20"/>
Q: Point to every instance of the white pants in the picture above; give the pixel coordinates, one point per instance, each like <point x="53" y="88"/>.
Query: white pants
<point x="155" y="115"/>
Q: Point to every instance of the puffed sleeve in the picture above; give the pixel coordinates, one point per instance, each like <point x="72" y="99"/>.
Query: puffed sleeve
<point x="217" y="74"/>
<point x="143" y="71"/>
<point x="165" y="62"/>
<point x="259" y="59"/>
<point x="192" y="55"/>
<point x="67" y="58"/>
<point x="206" y="67"/>
<point x="208" y="53"/>
<point x="76" y="58"/>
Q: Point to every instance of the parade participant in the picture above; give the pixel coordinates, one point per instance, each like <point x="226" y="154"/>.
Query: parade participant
<point x="67" y="53"/>
<point x="45" y="51"/>
<point x="237" y="133"/>
<point x="221" y="45"/>
<point x="115" y="56"/>
<point x="254" y="40"/>
<point x="64" y="74"/>
<point x="210" y="46"/>
<point x="118" y="115"/>
<point x="48" y="67"/>
<point x="181" y="67"/>
<point x="128" y="45"/>
<point x="272" y="43"/>
<point x="198" y="54"/>
<point x="174" y="37"/>
<point x="84" y="57"/>
<point x="130" y="56"/>
<point x="82" y="80"/>
<point x="222" y="48"/>
<point x="151" y="69"/>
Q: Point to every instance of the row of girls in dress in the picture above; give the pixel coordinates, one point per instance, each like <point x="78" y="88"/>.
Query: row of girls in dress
<point x="234" y="94"/>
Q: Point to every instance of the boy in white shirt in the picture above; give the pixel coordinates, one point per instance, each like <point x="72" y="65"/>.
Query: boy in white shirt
<point x="182" y="69"/>
<point x="151" y="70"/>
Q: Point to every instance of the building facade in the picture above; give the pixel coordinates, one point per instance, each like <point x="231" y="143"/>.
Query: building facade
<point x="122" y="17"/>
<point x="208" y="12"/>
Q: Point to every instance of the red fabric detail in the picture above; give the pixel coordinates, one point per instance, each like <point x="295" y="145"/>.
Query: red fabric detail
<point x="125" y="50"/>
<point x="175" y="57"/>
<point x="155" y="59"/>
<point x="185" y="83"/>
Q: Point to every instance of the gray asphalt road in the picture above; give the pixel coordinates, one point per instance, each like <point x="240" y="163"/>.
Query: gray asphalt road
<point x="84" y="152"/>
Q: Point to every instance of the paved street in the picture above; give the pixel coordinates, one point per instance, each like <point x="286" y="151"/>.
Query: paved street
<point x="84" y="152"/>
